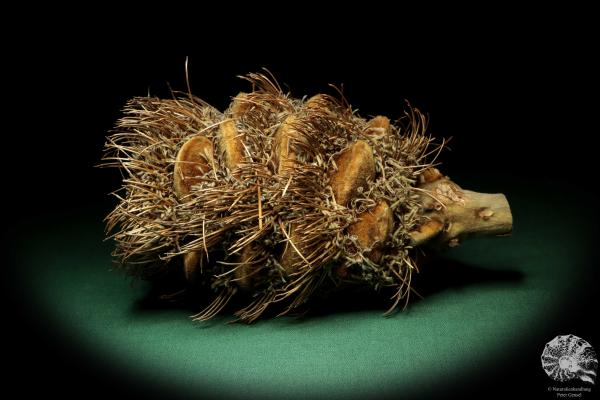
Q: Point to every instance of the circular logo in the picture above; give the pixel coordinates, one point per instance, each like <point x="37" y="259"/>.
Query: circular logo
<point x="569" y="357"/>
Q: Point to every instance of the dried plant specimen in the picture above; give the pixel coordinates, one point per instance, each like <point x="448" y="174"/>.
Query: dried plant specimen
<point x="280" y="198"/>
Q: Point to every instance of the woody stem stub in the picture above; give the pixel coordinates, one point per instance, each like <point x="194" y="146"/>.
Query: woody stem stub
<point x="451" y="214"/>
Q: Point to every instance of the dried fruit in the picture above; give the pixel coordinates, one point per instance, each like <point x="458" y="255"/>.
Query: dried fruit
<point x="280" y="197"/>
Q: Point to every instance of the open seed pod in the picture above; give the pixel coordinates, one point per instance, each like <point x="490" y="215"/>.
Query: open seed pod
<point x="280" y="198"/>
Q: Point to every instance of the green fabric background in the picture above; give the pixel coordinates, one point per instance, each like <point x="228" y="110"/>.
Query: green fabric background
<point x="505" y="294"/>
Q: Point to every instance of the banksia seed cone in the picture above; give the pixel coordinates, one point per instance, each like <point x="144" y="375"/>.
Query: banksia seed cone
<point x="279" y="197"/>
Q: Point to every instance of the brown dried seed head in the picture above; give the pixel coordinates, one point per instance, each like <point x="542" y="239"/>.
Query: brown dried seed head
<point x="254" y="122"/>
<point x="229" y="218"/>
<point x="355" y="167"/>
<point x="194" y="159"/>
<point x="373" y="228"/>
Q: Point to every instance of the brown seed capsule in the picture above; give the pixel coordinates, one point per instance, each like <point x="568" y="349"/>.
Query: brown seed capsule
<point x="429" y="175"/>
<point x="240" y="105"/>
<point x="291" y="253"/>
<point x="426" y="231"/>
<point x="284" y="152"/>
<point x="244" y="271"/>
<point x="316" y="102"/>
<point x="373" y="228"/>
<point x="233" y="148"/>
<point x="231" y="144"/>
<point x="378" y="126"/>
<point x="285" y="159"/>
<point x="191" y="265"/>
<point x="356" y="167"/>
<point x="194" y="159"/>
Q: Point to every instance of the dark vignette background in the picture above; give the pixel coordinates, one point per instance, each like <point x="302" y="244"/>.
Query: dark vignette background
<point x="517" y="108"/>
